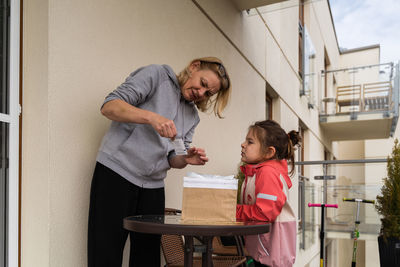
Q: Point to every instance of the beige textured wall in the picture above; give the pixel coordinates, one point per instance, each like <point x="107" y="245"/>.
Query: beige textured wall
<point x="363" y="57"/>
<point x="35" y="202"/>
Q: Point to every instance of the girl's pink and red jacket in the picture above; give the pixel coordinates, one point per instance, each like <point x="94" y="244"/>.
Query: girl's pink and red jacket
<point x="264" y="198"/>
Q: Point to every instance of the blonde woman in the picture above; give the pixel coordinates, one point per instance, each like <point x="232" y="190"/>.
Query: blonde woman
<point x="152" y="107"/>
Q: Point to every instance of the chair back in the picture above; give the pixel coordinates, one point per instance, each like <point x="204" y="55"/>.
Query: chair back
<point x="173" y="249"/>
<point x="377" y="96"/>
<point x="348" y="96"/>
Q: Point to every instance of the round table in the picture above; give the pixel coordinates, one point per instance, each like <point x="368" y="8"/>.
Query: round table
<point x="205" y="230"/>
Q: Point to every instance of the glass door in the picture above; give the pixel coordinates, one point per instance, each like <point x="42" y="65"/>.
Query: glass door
<point x="4" y="111"/>
<point x="9" y="131"/>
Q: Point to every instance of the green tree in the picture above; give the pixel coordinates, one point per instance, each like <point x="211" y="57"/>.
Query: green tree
<point x="388" y="203"/>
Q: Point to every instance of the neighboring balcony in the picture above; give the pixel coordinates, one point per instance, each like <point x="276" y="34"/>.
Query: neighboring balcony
<point x="364" y="102"/>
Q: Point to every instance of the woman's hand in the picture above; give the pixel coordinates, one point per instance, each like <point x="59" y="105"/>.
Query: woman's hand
<point x="119" y="110"/>
<point x="164" y="127"/>
<point x="196" y="156"/>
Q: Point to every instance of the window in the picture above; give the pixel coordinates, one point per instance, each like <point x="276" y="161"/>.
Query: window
<point x="9" y="132"/>
<point x="307" y="60"/>
<point x="301" y="26"/>
<point x="4" y="129"/>
<point x="309" y="68"/>
<point x="268" y="106"/>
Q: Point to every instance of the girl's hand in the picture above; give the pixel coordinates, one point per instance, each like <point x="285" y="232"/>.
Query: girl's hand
<point x="196" y="156"/>
<point x="164" y="127"/>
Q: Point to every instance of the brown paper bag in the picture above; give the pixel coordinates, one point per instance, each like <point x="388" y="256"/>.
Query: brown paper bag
<point x="209" y="198"/>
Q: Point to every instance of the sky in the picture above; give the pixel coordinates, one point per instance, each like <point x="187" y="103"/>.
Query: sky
<point x="361" y="23"/>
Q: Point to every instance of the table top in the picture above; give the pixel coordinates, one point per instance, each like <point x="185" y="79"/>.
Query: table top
<point x="174" y="225"/>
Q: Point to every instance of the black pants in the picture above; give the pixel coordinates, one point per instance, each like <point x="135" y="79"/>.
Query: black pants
<point x="113" y="198"/>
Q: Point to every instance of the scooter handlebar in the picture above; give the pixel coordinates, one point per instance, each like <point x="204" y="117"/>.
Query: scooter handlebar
<point x="359" y="200"/>
<point x="325" y="205"/>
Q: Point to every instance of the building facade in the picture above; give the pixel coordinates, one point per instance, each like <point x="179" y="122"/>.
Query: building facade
<point x="284" y="62"/>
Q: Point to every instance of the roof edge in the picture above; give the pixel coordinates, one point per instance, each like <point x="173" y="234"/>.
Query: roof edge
<point x="333" y="24"/>
<point x="357" y="49"/>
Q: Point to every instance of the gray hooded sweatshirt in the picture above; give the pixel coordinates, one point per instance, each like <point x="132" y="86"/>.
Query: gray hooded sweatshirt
<point x="136" y="151"/>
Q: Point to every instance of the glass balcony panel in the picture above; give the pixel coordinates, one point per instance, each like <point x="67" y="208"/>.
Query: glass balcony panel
<point x="309" y="227"/>
<point x="360" y="181"/>
<point x="351" y="180"/>
<point x="310" y="78"/>
<point x="364" y="98"/>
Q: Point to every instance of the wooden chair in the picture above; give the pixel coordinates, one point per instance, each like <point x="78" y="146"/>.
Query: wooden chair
<point x="377" y="96"/>
<point x="173" y="250"/>
<point x="348" y="96"/>
<point x="226" y="250"/>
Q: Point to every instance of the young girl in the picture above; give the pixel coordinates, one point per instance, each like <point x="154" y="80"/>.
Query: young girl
<point x="264" y="193"/>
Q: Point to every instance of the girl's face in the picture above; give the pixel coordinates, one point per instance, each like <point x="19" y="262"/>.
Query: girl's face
<point x="201" y="84"/>
<point x="251" y="150"/>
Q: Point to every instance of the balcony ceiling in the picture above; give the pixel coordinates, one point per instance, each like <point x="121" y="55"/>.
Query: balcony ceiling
<point x="248" y="4"/>
<point x="365" y="126"/>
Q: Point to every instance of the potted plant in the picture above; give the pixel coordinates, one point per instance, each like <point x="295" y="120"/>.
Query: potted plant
<point x="388" y="206"/>
<point x="240" y="176"/>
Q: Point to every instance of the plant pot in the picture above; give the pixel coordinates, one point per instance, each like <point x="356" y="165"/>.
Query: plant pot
<point x="389" y="251"/>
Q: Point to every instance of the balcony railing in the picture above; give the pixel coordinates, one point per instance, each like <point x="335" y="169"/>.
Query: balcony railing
<point x="342" y="220"/>
<point x="359" y="89"/>
<point x="364" y="98"/>
<point x="329" y="182"/>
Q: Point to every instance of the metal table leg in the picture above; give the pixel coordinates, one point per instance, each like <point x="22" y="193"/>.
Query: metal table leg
<point x="188" y="262"/>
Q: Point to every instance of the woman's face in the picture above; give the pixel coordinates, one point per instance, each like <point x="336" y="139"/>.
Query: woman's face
<point x="201" y="84"/>
<point x="251" y="149"/>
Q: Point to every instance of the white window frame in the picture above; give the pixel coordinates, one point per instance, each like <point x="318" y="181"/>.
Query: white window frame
<point x="13" y="120"/>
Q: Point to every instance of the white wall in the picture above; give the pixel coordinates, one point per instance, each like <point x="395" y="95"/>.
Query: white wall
<point x="35" y="204"/>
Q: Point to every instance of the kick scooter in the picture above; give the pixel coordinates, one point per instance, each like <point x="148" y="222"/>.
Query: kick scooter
<point x="356" y="234"/>
<point x="322" y="231"/>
